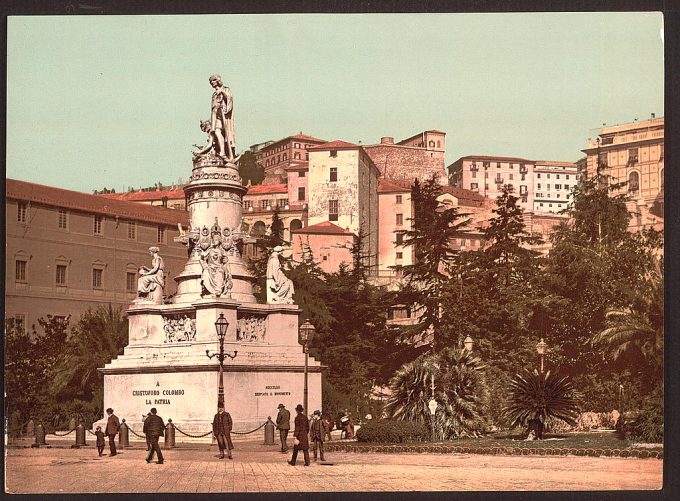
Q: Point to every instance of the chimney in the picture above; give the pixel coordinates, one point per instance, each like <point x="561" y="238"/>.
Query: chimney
<point x="653" y="115"/>
<point x="387" y="140"/>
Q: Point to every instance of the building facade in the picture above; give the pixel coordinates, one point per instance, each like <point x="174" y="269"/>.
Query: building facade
<point x="68" y="251"/>
<point x="553" y="183"/>
<point x="275" y="156"/>
<point x="633" y="153"/>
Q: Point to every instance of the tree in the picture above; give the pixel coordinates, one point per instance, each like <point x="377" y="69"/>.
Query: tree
<point x="461" y="393"/>
<point x="99" y="336"/>
<point x="249" y="169"/>
<point x="435" y="225"/>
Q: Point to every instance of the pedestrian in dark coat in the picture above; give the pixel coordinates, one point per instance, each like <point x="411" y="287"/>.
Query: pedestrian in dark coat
<point x="317" y="430"/>
<point x="222" y="430"/>
<point x="283" y="425"/>
<point x="154" y="427"/>
<point x="101" y="441"/>
<point x="148" y="442"/>
<point x="328" y="427"/>
<point x="112" y="427"/>
<point x="301" y="435"/>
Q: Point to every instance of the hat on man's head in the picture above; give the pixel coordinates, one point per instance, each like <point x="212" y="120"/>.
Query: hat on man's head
<point x="317" y="413"/>
<point x="281" y="406"/>
<point x="153" y="410"/>
<point x="299" y="408"/>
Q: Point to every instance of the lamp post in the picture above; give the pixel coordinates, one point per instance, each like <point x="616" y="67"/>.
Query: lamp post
<point x="221" y="325"/>
<point x="306" y="332"/>
<point x="540" y="348"/>
<point x="468" y="343"/>
<point x="432" y="404"/>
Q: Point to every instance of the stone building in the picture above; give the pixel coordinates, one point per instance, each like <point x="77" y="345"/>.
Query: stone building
<point x="68" y="251"/>
<point x="420" y="156"/>
<point x="343" y="184"/>
<point x="275" y="156"/>
<point x="633" y="153"/>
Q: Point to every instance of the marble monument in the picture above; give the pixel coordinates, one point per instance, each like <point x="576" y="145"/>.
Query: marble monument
<point x="164" y="364"/>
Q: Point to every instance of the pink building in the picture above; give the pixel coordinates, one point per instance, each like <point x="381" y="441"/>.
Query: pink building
<point x="329" y="244"/>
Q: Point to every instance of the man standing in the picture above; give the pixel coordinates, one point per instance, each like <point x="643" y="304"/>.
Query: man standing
<point x="222" y="430"/>
<point x="301" y="434"/>
<point x="112" y="427"/>
<point x="283" y="425"/>
<point x="154" y="428"/>
<point x="222" y="118"/>
<point x="318" y="430"/>
<point x="148" y="442"/>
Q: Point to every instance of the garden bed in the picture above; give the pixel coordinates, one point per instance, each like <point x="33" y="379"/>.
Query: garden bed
<point x="575" y="444"/>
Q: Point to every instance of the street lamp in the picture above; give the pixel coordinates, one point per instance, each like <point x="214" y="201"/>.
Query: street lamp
<point x="306" y="332"/>
<point x="221" y="325"/>
<point x="432" y="404"/>
<point x="468" y="343"/>
<point x="540" y="348"/>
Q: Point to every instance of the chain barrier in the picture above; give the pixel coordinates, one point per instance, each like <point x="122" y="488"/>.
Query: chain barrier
<point x="190" y="435"/>
<point x="134" y="432"/>
<point x="251" y="431"/>
<point x="64" y="434"/>
<point x="91" y="432"/>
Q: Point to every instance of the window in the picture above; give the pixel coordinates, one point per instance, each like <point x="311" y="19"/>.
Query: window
<point x="486" y="186"/>
<point x="247" y="204"/>
<point x="132" y="230"/>
<point x="160" y="235"/>
<point x="463" y="243"/>
<point x="281" y="202"/>
<point x="400" y="219"/>
<point x="131" y="282"/>
<point x="333" y="153"/>
<point x="557" y="176"/>
<point x="334" y="174"/>
<point x="296" y="155"/>
<point x="558" y="186"/>
<point x="633" y="182"/>
<point x="498" y="165"/>
<point x="301" y="193"/>
<point x="301" y="173"/>
<point x="512" y="166"/>
<point x="62" y="219"/>
<point x="332" y="210"/>
<point x="20" y="274"/>
<point x="398" y="199"/>
<point x="566" y="186"/>
<point x="21" y="212"/>
<point x="486" y="165"/>
<point x="278" y="158"/>
<point x="486" y="175"/>
<point x="548" y="176"/>
<point x="602" y="159"/>
<point x="97" y="274"/>
<point x="400" y="255"/>
<point x="97" y="229"/>
<point x="548" y="187"/>
<point x="264" y="204"/>
<point x="474" y="173"/>
<point x="18" y="322"/>
<point x="400" y="238"/>
<point x="511" y="176"/>
<point x="538" y="176"/>
<point x="296" y="145"/>
<point x="474" y="186"/>
<point x="523" y="177"/>
<point x="538" y="186"/>
<point x="60" y="278"/>
<point x="285" y="156"/>
<point x="632" y="156"/>
<point x="522" y="189"/>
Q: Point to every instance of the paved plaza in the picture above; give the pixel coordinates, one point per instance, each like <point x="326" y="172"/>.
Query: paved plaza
<point x="259" y="468"/>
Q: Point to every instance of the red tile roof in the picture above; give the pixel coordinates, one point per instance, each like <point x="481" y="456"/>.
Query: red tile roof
<point x="266" y="189"/>
<point x="335" y="145"/>
<point x="299" y="137"/>
<point x="465" y="197"/>
<point x="76" y="200"/>
<point x="138" y="196"/>
<point x="389" y="186"/>
<point x="325" y="228"/>
<point x="297" y="166"/>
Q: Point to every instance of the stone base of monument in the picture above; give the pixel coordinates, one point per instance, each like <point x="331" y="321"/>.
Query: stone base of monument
<point x="165" y="365"/>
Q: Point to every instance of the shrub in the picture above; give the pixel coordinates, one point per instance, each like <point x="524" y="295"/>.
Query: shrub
<point x="391" y="431"/>
<point x="535" y="397"/>
<point x="647" y="425"/>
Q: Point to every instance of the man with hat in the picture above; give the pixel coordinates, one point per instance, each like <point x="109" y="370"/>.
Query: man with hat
<point x="318" y="429"/>
<point x="153" y="429"/>
<point x="283" y="425"/>
<point x="301" y="435"/>
<point x="222" y="430"/>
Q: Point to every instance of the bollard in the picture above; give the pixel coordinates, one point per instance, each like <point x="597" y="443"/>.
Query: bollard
<point x="80" y="437"/>
<point x="269" y="428"/>
<point x="124" y="435"/>
<point x="30" y="429"/>
<point x="169" y="435"/>
<point x="39" y="436"/>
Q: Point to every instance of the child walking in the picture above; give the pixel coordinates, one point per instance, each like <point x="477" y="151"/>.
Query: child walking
<point x="100" y="439"/>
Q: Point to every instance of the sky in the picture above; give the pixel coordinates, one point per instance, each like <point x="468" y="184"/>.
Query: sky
<point x="116" y="101"/>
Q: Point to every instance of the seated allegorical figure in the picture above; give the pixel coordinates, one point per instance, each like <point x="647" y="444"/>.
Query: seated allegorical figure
<point x="152" y="280"/>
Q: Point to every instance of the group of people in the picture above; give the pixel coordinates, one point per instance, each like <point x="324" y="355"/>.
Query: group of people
<point x="154" y="427"/>
<point x="316" y="430"/>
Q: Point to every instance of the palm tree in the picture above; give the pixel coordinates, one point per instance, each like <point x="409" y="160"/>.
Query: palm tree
<point x="98" y="337"/>
<point x="460" y="391"/>
<point x="535" y="397"/>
